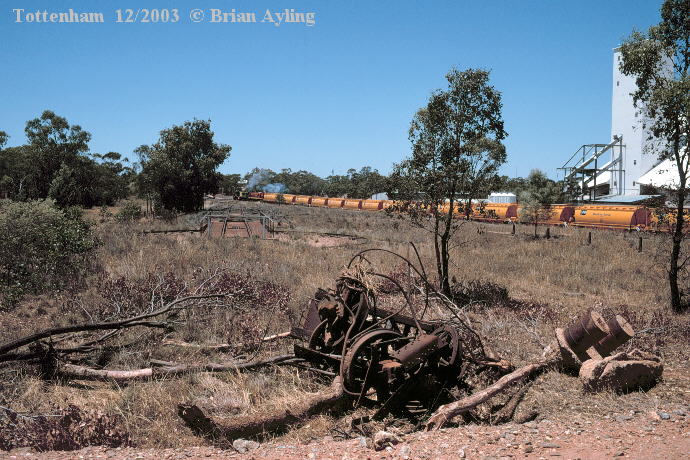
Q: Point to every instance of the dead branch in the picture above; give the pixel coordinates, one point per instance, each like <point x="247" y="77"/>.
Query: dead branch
<point x="448" y="411"/>
<point x="255" y="426"/>
<point x="506" y="413"/>
<point x="74" y="371"/>
<point x="198" y="346"/>
<point x="566" y="353"/>
<point x="139" y="320"/>
<point x="221" y="346"/>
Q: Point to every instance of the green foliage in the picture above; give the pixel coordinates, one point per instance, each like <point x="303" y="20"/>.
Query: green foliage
<point x="18" y="173"/>
<point x="536" y="198"/>
<point x="355" y="184"/>
<point x="104" y="215"/>
<point x="52" y="143"/>
<point x="129" y="212"/>
<point x="43" y="248"/>
<point x="55" y="164"/>
<point x="660" y="62"/>
<point x="230" y="184"/>
<point x="181" y="167"/>
<point x="456" y="149"/>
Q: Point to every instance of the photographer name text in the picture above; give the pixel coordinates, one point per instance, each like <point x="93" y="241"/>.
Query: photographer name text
<point x="166" y="16"/>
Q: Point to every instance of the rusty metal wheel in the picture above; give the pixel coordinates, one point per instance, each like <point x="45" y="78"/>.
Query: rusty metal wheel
<point x="361" y="368"/>
<point x="317" y="341"/>
<point x="450" y="354"/>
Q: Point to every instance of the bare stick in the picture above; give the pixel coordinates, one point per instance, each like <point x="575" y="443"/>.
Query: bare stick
<point x="221" y="346"/>
<point x="168" y="370"/>
<point x="139" y="320"/>
<point x="506" y="413"/>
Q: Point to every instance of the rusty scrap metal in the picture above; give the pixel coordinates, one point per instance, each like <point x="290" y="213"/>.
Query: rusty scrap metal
<point x="380" y="355"/>
<point x="400" y="362"/>
<point x="586" y="331"/>
<point x="620" y="331"/>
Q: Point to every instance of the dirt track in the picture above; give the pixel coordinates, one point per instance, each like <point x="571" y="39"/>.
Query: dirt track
<point x="638" y="436"/>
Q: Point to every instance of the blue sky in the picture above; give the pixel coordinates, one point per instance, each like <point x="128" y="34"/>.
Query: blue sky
<point x="337" y="95"/>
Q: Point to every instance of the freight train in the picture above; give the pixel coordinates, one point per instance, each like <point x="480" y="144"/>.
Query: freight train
<point x="622" y="217"/>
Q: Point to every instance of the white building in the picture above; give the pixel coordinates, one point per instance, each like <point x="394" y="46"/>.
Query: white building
<point x="619" y="170"/>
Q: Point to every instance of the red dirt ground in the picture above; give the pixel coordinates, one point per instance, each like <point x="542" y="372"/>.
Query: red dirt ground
<point x="639" y="436"/>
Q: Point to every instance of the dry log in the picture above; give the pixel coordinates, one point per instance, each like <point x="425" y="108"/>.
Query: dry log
<point x="197" y="346"/>
<point x="448" y="411"/>
<point x="256" y="426"/>
<point x="169" y="370"/>
<point x="506" y="413"/>
<point x="561" y="353"/>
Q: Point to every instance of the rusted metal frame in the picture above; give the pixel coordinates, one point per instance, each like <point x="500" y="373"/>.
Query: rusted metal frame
<point x="308" y="354"/>
<point x="368" y="377"/>
<point x="405" y="294"/>
<point x="585" y="332"/>
<point x="620" y="331"/>
<point x="404" y="320"/>
<point x="396" y="397"/>
<point x="426" y="282"/>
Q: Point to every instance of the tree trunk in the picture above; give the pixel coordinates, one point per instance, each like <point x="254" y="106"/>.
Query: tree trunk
<point x="445" y="281"/>
<point x="673" y="272"/>
<point x="676" y="299"/>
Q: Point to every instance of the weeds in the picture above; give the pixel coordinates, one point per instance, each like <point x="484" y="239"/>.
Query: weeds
<point x="66" y="429"/>
<point x="515" y="290"/>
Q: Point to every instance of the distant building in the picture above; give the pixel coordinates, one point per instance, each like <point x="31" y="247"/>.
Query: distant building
<point x="624" y="169"/>
<point x="379" y="196"/>
<point x="501" y="197"/>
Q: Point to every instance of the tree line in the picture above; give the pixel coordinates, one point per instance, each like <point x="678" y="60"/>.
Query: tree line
<point x="56" y="163"/>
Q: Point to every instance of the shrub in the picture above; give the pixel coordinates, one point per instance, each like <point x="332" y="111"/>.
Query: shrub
<point x="42" y="248"/>
<point x="129" y="212"/>
<point x="104" y="215"/>
<point x="480" y="295"/>
<point x="68" y="429"/>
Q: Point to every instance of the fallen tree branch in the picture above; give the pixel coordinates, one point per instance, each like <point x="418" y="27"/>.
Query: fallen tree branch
<point x="197" y="346"/>
<point x="139" y="320"/>
<point x="169" y="370"/>
<point x="221" y="346"/>
<point x="256" y="426"/>
<point x="506" y="413"/>
<point x="448" y="411"/>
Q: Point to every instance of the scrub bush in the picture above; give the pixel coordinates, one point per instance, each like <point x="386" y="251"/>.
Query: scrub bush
<point x="42" y="248"/>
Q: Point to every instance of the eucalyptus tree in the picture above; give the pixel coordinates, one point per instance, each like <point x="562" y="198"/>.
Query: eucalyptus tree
<point x="182" y="166"/>
<point x="659" y="60"/>
<point x="456" y="149"/>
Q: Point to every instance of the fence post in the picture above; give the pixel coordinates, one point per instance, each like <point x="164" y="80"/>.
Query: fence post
<point x="512" y="232"/>
<point x="589" y="238"/>
<point x="548" y="233"/>
<point x="639" y="245"/>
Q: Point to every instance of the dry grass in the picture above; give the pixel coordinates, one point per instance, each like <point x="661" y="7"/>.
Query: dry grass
<point x="563" y="273"/>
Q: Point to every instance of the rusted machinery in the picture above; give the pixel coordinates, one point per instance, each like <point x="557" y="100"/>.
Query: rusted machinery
<point x="386" y="358"/>
<point x="399" y="363"/>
